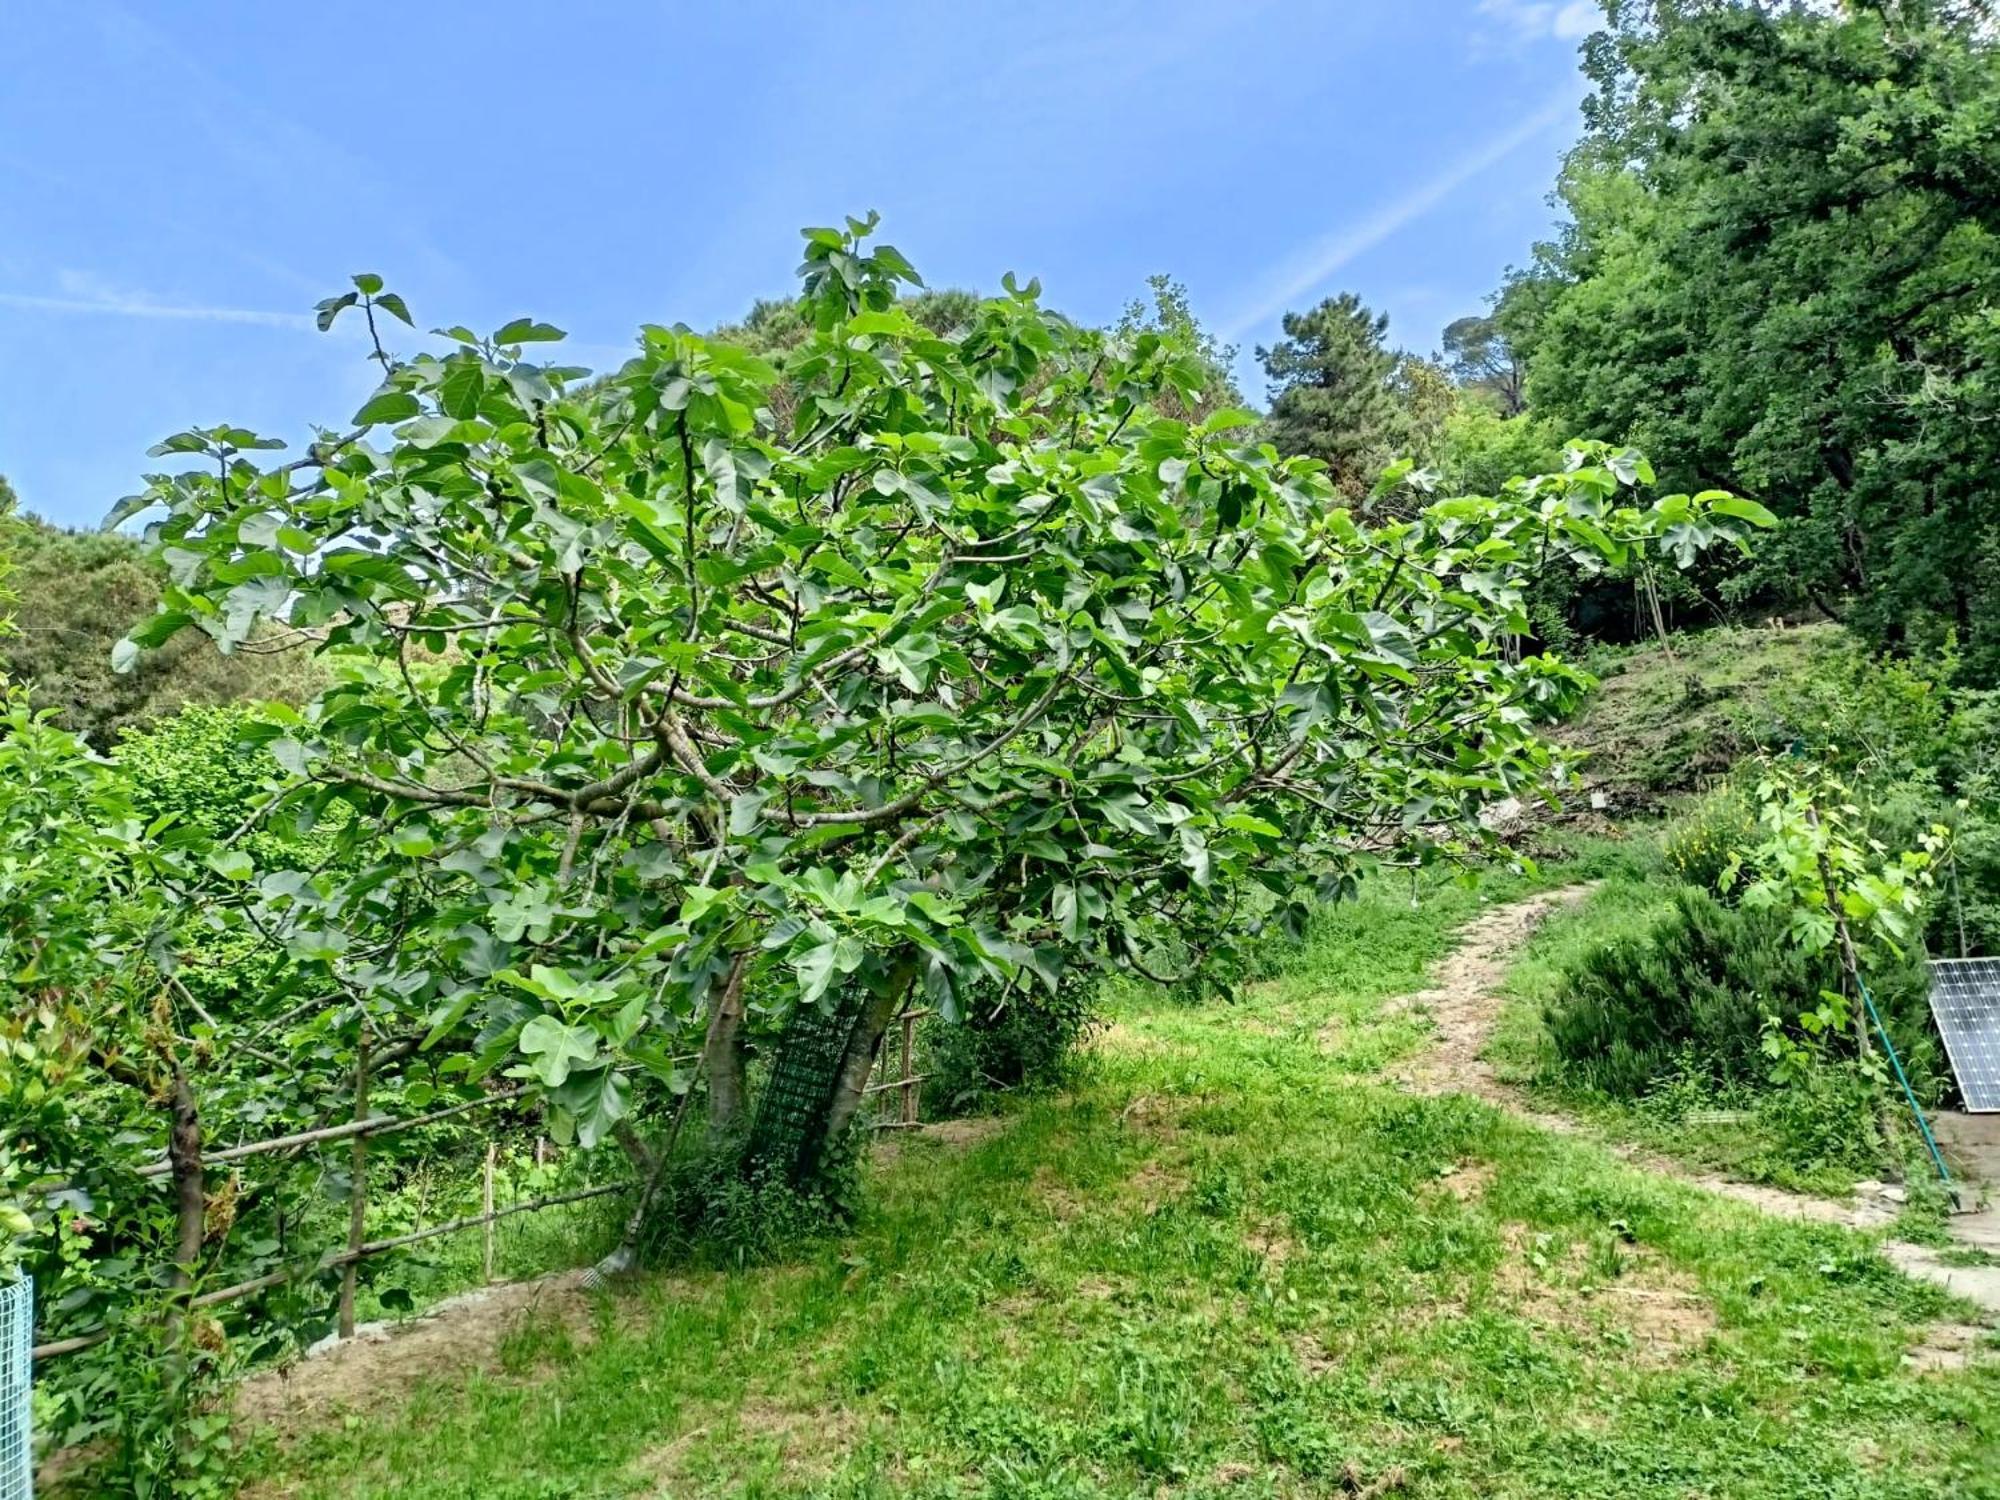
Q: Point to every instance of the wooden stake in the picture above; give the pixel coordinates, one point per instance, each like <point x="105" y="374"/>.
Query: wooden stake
<point x="486" y="1208"/>
<point x="357" y="1200"/>
<point x="909" y="1071"/>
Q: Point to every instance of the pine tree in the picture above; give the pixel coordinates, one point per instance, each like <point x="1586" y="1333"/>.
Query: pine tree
<point x="1333" y="392"/>
<point x="1481" y="357"/>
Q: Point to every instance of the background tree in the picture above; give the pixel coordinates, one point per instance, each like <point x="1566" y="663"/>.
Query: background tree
<point x="1481" y="358"/>
<point x="1332" y="391"/>
<point x="1426" y="401"/>
<point x="1167" y="312"/>
<point x="1479" y="450"/>
<point x="76" y="594"/>
<point x="776" y="325"/>
<point x="1780" y="270"/>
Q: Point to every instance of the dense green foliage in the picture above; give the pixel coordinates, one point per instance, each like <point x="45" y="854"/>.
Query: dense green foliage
<point x="976" y="670"/>
<point x="74" y="596"/>
<point x="1733" y="990"/>
<point x="1479" y="450"/>
<point x="776" y="325"/>
<point x="1827" y="1126"/>
<point x="1030" y="1044"/>
<point x="1779" y="269"/>
<point x="1695" y="992"/>
<point x="140" y="1008"/>
<point x="1921" y="748"/>
<point x="1697" y="982"/>
<point x="675" y="728"/>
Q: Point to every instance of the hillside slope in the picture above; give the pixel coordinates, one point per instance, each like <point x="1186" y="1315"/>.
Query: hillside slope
<point x="1660" y="724"/>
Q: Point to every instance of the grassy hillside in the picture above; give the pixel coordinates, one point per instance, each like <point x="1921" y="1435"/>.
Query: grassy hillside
<point x="1662" y="723"/>
<point x="1231" y="1262"/>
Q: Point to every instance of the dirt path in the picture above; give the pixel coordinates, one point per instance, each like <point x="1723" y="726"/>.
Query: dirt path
<point x="1464" y="1002"/>
<point x="385" y="1361"/>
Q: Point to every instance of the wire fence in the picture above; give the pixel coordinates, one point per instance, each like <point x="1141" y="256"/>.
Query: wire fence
<point x="17" y="1336"/>
<point x="894" y="1091"/>
<point x="358" y="1246"/>
<point x="893" y="1094"/>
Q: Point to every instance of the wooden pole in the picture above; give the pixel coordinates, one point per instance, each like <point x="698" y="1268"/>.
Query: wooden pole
<point x="357" y="1198"/>
<point x="372" y="1125"/>
<point x="486" y="1208"/>
<point x="909" y="1070"/>
<point x="1849" y="959"/>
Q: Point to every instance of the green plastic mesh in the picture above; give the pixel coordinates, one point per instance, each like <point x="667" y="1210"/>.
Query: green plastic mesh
<point x="789" y="1132"/>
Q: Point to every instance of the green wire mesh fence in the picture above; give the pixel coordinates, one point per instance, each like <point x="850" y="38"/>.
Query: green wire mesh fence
<point x="17" y="1337"/>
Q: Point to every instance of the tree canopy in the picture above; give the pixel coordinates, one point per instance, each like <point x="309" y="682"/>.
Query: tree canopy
<point x="974" y="670"/>
<point x="1333" y="394"/>
<point x="1482" y="358"/>
<point x="1779" y="272"/>
<point x="74" y="595"/>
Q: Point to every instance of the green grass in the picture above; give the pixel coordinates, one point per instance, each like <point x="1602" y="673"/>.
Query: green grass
<point x="524" y="1245"/>
<point x="1624" y="904"/>
<point x="1227" y="1262"/>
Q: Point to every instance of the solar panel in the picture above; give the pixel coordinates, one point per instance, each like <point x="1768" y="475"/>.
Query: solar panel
<point x="1965" y="999"/>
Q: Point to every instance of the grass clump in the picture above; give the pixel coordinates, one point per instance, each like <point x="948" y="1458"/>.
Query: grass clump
<point x="1665" y="724"/>
<point x="1011" y="1041"/>
<point x="1702" y="845"/>
<point x="722" y="1209"/>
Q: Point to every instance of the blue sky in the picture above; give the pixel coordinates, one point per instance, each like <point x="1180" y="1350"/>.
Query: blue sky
<point x="180" y="182"/>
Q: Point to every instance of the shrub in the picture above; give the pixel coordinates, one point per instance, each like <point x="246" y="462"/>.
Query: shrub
<point x="1827" y="1118"/>
<point x="1027" y="1043"/>
<point x="1704" y="977"/>
<point x="1689" y="997"/>
<point x="723" y="1209"/>
<point x="1702" y="844"/>
<point x="1924" y="748"/>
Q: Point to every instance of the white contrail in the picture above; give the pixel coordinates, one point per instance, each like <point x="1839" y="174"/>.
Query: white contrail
<point x="1309" y="269"/>
<point x="130" y="308"/>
